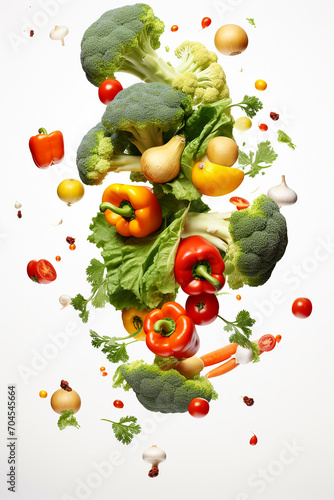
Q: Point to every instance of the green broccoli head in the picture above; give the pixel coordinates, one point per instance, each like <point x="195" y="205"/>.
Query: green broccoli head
<point x="100" y="152"/>
<point x="146" y="111"/>
<point x="164" y="391"/>
<point x="259" y="239"/>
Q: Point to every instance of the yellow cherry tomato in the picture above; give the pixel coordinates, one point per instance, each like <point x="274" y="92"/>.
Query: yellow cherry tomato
<point x="133" y="320"/>
<point x="215" y="180"/>
<point x="43" y="394"/>
<point x="70" y="191"/>
<point x="243" y="124"/>
<point x="260" y="85"/>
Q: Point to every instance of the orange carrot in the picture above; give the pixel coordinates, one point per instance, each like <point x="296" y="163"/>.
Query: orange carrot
<point x="224" y="368"/>
<point x="219" y="355"/>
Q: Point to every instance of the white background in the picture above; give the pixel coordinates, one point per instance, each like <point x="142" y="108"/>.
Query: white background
<point x="44" y="86"/>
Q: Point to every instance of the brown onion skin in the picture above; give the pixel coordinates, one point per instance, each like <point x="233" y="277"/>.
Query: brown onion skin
<point x="62" y="400"/>
<point x="231" y="40"/>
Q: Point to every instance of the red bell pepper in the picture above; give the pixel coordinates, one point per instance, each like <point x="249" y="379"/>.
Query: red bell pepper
<point x="199" y="266"/>
<point x="47" y="149"/>
<point x="171" y="332"/>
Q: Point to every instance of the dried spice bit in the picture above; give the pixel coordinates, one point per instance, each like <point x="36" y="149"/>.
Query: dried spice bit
<point x="154" y="472"/>
<point x="19" y="214"/>
<point x="70" y="240"/>
<point x="64" y="385"/>
<point x="31" y="33"/>
<point x="274" y="116"/>
<point x="248" y="401"/>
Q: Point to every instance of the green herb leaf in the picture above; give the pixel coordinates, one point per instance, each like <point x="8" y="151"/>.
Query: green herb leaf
<point x="125" y="433"/>
<point x="67" y="419"/>
<point x="80" y="304"/>
<point x="119" y="381"/>
<point x="265" y="154"/>
<point x="250" y="105"/>
<point x="251" y="21"/>
<point x="283" y="137"/>
<point x="242" y="331"/>
<point x="115" y="351"/>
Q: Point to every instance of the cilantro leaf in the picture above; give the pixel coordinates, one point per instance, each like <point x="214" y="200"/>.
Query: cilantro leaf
<point x="66" y="419"/>
<point x="251" y="21"/>
<point x="283" y="137"/>
<point x="241" y="329"/>
<point x="115" y="351"/>
<point x="80" y="304"/>
<point x="250" y="105"/>
<point x="264" y="154"/>
<point x="125" y="433"/>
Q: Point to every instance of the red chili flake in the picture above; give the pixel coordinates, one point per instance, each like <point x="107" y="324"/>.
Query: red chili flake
<point x="31" y="33"/>
<point x="19" y="214"/>
<point x="154" y="472"/>
<point x="70" y="240"/>
<point x="274" y="116"/>
<point x="248" y="401"/>
<point x="263" y="127"/>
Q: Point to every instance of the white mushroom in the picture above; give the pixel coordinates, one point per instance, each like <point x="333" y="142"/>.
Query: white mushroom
<point x="154" y="456"/>
<point x="59" y="33"/>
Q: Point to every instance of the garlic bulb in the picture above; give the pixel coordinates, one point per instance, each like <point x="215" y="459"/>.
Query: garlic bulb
<point x="243" y="355"/>
<point x="65" y="300"/>
<point x="17" y="205"/>
<point x="154" y="456"/>
<point x="282" y="194"/>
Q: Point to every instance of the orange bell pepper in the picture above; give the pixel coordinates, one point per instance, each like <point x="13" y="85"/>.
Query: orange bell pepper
<point x="47" y="149"/>
<point x="133" y="210"/>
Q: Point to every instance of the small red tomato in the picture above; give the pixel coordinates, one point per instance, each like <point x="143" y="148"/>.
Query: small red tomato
<point x="198" y="407"/>
<point x="102" y="369"/>
<point x="278" y="338"/>
<point x="108" y="90"/>
<point x="104" y="374"/>
<point x="267" y="343"/>
<point x="118" y="403"/>
<point x="73" y="246"/>
<point x="58" y="258"/>
<point x="240" y="203"/>
<point x="263" y="127"/>
<point x="206" y="21"/>
<point x="174" y="28"/>
<point x="302" y="307"/>
<point x="238" y="297"/>
<point x="203" y="309"/>
<point x="41" y="271"/>
<point x="253" y="440"/>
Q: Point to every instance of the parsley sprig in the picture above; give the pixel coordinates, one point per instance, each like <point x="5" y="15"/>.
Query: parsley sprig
<point x="241" y="329"/>
<point x="114" y="350"/>
<point x="250" y="105"/>
<point x="66" y="419"/>
<point x="123" y="432"/>
<point x="264" y="155"/>
<point x="251" y="21"/>
<point x="283" y="137"/>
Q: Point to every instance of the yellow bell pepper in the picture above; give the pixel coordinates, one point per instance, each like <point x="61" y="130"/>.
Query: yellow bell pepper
<point x="215" y="180"/>
<point x="133" y="321"/>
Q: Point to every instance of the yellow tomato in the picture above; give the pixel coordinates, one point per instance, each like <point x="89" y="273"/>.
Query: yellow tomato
<point x="43" y="394"/>
<point x="133" y="320"/>
<point x="70" y="191"/>
<point x="260" y="85"/>
<point x="215" y="180"/>
<point x="243" y="124"/>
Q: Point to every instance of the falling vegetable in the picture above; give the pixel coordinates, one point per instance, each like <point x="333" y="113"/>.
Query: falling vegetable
<point x="282" y="194"/>
<point x="251" y="21"/>
<point x="206" y="21"/>
<point x="41" y="271"/>
<point x="59" y="33"/>
<point x="222" y="151"/>
<point x="125" y="433"/>
<point x="241" y="203"/>
<point x="302" y="307"/>
<point x="263" y="127"/>
<point x="162" y="163"/>
<point x="118" y="403"/>
<point x="284" y="138"/>
<point x="211" y="179"/>
<point x="65" y="300"/>
<point x="174" y="28"/>
<point x="265" y="154"/>
<point x="248" y="401"/>
<point x="67" y="419"/>
<point x="70" y="191"/>
<point x="47" y="149"/>
<point x="198" y="407"/>
<point x="231" y="40"/>
<point x="189" y="367"/>
<point x="260" y="85"/>
<point x="133" y="321"/>
<point x="17" y="205"/>
<point x="43" y="394"/>
<point x="243" y="124"/>
<point x="65" y="399"/>
<point x="253" y="440"/>
<point x="154" y="456"/>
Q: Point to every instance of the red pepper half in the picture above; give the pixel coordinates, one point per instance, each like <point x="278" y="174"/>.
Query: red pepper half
<point x="199" y="266"/>
<point x="171" y="332"/>
<point x="47" y="149"/>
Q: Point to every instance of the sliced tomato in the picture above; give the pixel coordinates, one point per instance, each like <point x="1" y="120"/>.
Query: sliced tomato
<point x="241" y="203"/>
<point x="267" y="343"/>
<point x="41" y="272"/>
<point x="31" y="271"/>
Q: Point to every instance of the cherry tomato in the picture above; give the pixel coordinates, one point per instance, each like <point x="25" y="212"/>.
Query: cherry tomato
<point x="253" y="440"/>
<point x="102" y="369"/>
<point x="58" y="258"/>
<point x="278" y="338"/>
<point x="198" y="407"/>
<point x="43" y="394"/>
<point x="238" y="297"/>
<point x="104" y="374"/>
<point x="203" y="309"/>
<point x="260" y="85"/>
<point x="73" y="246"/>
<point x="206" y="21"/>
<point x="302" y="307"/>
<point x="174" y="28"/>
<point x="108" y="90"/>
<point x="241" y="203"/>
<point x="118" y="403"/>
<point x="267" y="343"/>
<point x="263" y="127"/>
<point x="41" y="271"/>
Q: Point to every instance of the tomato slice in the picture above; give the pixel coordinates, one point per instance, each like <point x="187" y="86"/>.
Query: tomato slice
<point x="241" y="203"/>
<point x="45" y="271"/>
<point x="267" y="343"/>
<point x="31" y="271"/>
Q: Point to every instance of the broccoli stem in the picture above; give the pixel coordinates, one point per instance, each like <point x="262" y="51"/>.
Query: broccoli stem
<point x="146" y="138"/>
<point x="125" y="163"/>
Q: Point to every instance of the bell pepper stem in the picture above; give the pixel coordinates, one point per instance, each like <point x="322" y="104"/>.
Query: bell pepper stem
<point x="203" y="272"/>
<point x="165" y="326"/>
<point x="42" y="131"/>
<point x="125" y="211"/>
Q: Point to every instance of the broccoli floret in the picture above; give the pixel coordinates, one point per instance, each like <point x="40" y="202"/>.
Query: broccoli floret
<point x="146" y="111"/>
<point x="164" y="391"/>
<point x="100" y="153"/>
<point x="125" y="39"/>
<point x="253" y="240"/>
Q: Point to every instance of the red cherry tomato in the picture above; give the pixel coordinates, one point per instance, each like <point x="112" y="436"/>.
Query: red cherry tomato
<point x="174" y="28"/>
<point x="241" y="203"/>
<point x="198" y="407"/>
<point x="118" y="403"/>
<point x="253" y="440"/>
<point x="263" y="127"/>
<point x="302" y="307"/>
<point x="108" y="90"/>
<point x="267" y="343"/>
<point x="206" y="21"/>
<point x="41" y="271"/>
<point x="203" y="309"/>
